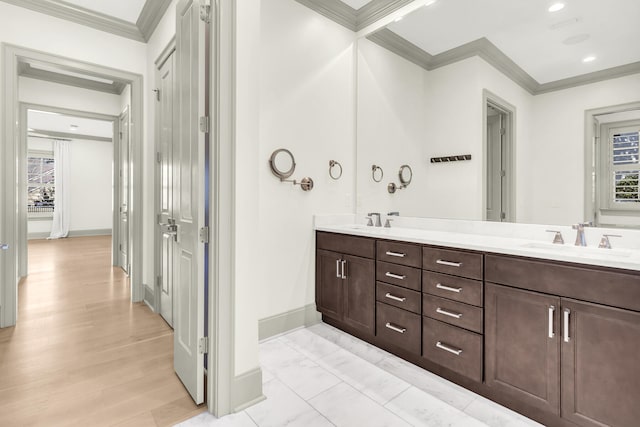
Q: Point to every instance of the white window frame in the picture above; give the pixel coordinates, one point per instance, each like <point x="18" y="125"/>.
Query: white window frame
<point x="43" y="216"/>
<point x="606" y="169"/>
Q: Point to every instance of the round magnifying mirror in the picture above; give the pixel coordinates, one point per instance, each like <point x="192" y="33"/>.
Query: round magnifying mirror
<point x="405" y="175"/>
<point x="282" y="163"/>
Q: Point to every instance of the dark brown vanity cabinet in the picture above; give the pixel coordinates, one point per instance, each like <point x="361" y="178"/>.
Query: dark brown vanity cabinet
<point x="576" y="359"/>
<point x="345" y="280"/>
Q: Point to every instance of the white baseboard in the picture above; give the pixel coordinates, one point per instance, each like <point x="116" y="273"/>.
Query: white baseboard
<point x="292" y="319"/>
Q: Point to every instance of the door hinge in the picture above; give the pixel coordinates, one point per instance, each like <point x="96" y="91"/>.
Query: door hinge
<point x="502" y="131"/>
<point x="204" y="235"/>
<point x="158" y="219"/>
<point x="120" y="135"/>
<point x="159" y="157"/>
<point x="157" y="92"/>
<point x="204" y="124"/>
<point x="203" y="345"/>
<point x="503" y="215"/>
<point x="503" y="173"/>
<point x="158" y="281"/>
<point x="205" y="11"/>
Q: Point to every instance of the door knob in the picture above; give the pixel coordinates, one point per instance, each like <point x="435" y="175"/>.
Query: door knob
<point x="4" y="246"/>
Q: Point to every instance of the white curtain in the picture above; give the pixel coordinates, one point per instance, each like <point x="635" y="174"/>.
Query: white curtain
<point x="60" y="226"/>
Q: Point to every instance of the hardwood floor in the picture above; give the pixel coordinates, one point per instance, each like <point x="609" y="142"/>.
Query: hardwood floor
<point x="81" y="353"/>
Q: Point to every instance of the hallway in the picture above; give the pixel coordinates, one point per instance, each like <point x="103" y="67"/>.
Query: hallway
<point x="81" y="353"/>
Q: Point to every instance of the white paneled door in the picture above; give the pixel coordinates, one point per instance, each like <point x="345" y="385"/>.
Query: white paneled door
<point x="166" y="221"/>
<point x="189" y="197"/>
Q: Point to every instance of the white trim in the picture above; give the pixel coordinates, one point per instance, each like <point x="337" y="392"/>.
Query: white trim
<point x="287" y="321"/>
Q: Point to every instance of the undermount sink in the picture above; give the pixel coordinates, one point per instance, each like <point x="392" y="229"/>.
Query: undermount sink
<point x="579" y="250"/>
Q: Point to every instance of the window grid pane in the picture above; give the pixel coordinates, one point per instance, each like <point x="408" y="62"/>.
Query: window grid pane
<point x="625" y="148"/>
<point x="40" y="184"/>
<point x="626" y="186"/>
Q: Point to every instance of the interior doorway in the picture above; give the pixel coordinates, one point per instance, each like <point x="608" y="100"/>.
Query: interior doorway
<point x="13" y="263"/>
<point x="123" y="172"/>
<point x="499" y="173"/>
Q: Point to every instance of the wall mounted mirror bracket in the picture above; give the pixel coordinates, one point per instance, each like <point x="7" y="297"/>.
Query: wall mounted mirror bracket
<point x="405" y="175"/>
<point x="283" y="164"/>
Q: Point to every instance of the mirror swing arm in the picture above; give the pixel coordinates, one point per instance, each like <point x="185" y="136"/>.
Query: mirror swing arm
<point x="306" y="183"/>
<point x="404" y="180"/>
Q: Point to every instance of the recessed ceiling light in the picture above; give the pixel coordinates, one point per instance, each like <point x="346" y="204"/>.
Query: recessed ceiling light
<point x="73" y="128"/>
<point x="576" y="39"/>
<point x="589" y="58"/>
<point x="556" y="7"/>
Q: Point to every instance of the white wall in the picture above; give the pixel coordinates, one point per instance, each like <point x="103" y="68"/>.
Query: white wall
<point x="557" y="156"/>
<point x="90" y="185"/>
<point x="406" y="115"/>
<point x="307" y="106"/>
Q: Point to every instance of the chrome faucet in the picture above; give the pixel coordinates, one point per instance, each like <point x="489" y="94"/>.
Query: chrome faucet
<point x="378" y="223"/>
<point x="393" y="214"/>
<point x="580" y="239"/>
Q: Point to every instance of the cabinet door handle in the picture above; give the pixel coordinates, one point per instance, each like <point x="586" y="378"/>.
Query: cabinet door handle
<point x="552" y="310"/>
<point x="396" y="254"/>
<point x="395" y="298"/>
<point x="456" y="351"/>
<point x="344" y="274"/>
<point x="449" y="263"/>
<point x="395" y="276"/>
<point x="448" y="313"/>
<point x="338" y="269"/>
<point x="566" y="313"/>
<point x="393" y="327"/>
<point x="448" y="288"/>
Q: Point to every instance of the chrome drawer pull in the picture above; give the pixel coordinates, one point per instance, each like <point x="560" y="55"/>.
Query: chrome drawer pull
<point x="396" y="328"/>
<point x="395" y="276"/>
<point x="338" y="269"/>
<point x="449" y="263"/>
<point x="344" y="275"/>
<point x="448" y="313"/>
<point x="448" y="288"/>
<point x="395" y="298"/>
<point x="552" y="309"/>
<point x="397" y="254"/>
<point x="444" y="347"/>
<point x="566" y="313"/>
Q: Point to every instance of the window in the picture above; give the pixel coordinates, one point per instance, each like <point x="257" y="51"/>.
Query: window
<point x="621" y="166"/>
<point x="41" y="189"/>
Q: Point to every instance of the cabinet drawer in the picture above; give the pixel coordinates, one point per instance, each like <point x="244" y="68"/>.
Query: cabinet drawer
<point x="342" y="243"/>
<point x="452" y="312"/>
<point x="400" y="275"/>
<point x="458" y="263"/>
<point x="398" y="297"/>
<point x="399" y="253"/>
<point x="467" y="291"/>
<point x="398" y="327"/>
<point x="454" y="348"/>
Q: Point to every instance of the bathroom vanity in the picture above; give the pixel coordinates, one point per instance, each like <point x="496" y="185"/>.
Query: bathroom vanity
<point x="550" y="332"/>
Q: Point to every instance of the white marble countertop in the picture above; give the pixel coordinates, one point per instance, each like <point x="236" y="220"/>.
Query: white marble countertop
<point x="624" y="258"/>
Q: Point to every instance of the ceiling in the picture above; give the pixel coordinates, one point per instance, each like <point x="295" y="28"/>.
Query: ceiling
<point x="134" y="19"/>
<point x="356" y="4"/>
<point x="62" y="126"/>
<point x="548" y="46"/>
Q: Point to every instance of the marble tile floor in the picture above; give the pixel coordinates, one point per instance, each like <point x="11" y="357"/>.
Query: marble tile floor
<point x="321" y="376"/>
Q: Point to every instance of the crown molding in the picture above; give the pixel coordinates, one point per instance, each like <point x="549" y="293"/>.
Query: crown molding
<point x="495" y="57"/>
<point x="353" y="19"/>
<point x="141" y="31"/>
<point x="150" y="16"/>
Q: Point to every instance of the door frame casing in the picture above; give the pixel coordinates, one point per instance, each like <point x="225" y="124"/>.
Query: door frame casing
<point x="9" y="151"/>
<point x="125" y="115"/>
<point x="489" y="97"/>
<point x="23" y="219"/>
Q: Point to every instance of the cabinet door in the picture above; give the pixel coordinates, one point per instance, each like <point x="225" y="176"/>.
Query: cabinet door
<point x="522" y="346"/>
<point x="329" y="284"/>
<point x="360" y="293"/>
<point x="601" y="365"/>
